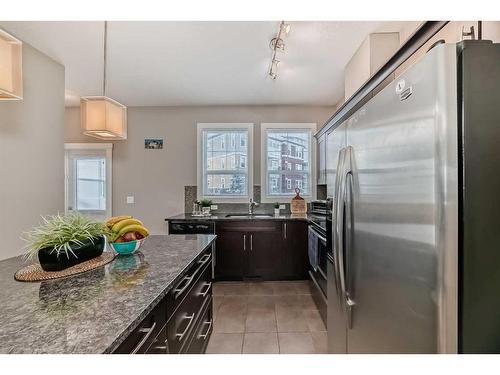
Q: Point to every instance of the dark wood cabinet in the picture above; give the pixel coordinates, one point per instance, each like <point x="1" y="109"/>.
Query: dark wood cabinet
<point x="261" y="250"/>
<point x="265" y="251"/>
<point x="230" y="252"/>
<point x="182" y="320"/>
<point x="295" y="249"/>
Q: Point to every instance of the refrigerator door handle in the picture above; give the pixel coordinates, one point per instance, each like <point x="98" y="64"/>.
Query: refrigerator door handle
<point x="338" y="232"/>
<point x="349" y="303"/>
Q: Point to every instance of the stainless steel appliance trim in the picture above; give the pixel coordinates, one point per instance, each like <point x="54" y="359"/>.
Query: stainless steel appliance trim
<point x="318" y="287"/>
<point x="416" y="41"/>
<point x="244" y="242"/>
<point x="251" y="242"/>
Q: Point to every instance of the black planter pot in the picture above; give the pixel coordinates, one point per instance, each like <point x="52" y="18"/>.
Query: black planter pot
<point x="54" y="262"/>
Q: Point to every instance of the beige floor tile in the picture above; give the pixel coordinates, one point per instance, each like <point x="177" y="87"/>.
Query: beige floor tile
<point x="284" y="288"/>
<point x="263" y="320"/>
<point x="320" y="342"/>
<point x="261" y="289"/>
<point x="225" y="343"/>
<point x="302" y="287"/>
<point x="306" y="302"/>
<point x="217" y="289"/>
<point x="260" y="343"/>
<point x="217" y="301"/>
<point x="234" y="304"/>
<point x="260" y="302"/>
<point x="296" y="343"/>
<point x="234" y="288"/>
<point x="314" y="321"/>
<point x="291" y="320"/>
<point x="230" y="322"/>
<point x="288" y="302"/>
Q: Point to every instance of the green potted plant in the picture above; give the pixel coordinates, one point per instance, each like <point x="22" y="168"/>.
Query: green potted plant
<point x="205" y="206"/>
<point x="64" y="241"/>
<point x="276" y="209"/>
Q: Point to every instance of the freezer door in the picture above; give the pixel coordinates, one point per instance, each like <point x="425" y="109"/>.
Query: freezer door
<point x="401" y="213"/>
<point x="336" y="324"/>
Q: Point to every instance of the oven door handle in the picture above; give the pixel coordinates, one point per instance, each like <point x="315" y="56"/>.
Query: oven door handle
<point x="318" y="234"/>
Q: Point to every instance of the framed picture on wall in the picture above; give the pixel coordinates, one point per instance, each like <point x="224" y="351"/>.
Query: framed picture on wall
<point x="153" y="143"/>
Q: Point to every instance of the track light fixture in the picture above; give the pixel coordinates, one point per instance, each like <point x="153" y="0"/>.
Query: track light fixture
<point x="277" y="44"/>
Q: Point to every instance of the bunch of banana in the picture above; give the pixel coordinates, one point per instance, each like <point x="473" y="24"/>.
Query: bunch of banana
<point x="126" y="228"/>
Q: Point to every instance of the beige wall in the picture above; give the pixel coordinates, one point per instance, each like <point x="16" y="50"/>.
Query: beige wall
<point x="31" y="151"/>
<point x="157" y="178"/>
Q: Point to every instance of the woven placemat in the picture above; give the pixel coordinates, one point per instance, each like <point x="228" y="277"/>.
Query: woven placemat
<point x="34" y="272"/>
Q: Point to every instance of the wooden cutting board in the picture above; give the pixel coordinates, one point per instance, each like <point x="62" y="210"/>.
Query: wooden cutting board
<point x="298" y="205"/>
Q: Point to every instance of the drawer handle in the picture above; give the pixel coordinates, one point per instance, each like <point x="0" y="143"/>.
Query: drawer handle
<point x="180" y="336"/>
<point x="208" y="285"/>
<point x="179" y="290"/>
<point x="147" y="332"/>
<point x="205" y="258"/>
<point x="205" y="335"/>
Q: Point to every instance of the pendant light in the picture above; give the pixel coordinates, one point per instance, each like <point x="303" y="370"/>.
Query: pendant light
<point x="103" y="117"/>
<point x="11" y="67"/>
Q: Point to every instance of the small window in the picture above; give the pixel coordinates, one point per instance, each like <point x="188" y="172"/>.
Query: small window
<point x="228" y="169"/>
<point x="288" y="156"/>
<point x="88" y="179"/>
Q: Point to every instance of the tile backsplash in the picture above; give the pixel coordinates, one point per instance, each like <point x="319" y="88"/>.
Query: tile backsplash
<point x="190" y="193"/>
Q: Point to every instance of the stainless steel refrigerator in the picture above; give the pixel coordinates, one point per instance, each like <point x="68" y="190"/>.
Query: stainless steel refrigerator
<point x="414" y="176"/>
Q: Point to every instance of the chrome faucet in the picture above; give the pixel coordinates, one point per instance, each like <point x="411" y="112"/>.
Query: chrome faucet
<point x="251" y="206"/>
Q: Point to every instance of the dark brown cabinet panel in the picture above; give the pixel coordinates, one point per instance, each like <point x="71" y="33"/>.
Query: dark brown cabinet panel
<point x="295" y="249"/>
<point x="230" y="252"/>
<point x="265" y="252"/>
<point x="261" y="250"/>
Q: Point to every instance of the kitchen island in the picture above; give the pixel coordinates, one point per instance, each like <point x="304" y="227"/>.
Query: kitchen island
<point x="98" y="311"/>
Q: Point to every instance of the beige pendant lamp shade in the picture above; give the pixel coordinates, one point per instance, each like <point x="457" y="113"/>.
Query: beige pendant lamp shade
<point x="11" y="67"/>
<point x="101" y="116"/>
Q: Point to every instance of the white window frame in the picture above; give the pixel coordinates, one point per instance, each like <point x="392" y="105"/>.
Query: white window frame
<point x="201" y="126"/>
<point x="264" y="127"/>
<point x="108" y="148"/>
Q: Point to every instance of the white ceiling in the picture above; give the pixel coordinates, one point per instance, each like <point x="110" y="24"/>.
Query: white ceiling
<point x="165" y="63"/>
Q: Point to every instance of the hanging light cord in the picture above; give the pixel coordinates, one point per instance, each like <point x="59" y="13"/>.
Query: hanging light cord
<point x="105" y="48"/>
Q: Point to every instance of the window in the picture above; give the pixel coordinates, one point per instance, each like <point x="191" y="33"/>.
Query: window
<point x="88" y="179"/>
<point x="291" y="147"/>
<point x="223" y="152"/>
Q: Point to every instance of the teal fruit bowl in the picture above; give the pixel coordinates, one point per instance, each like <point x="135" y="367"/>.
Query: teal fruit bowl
<point x="126" y="248"/>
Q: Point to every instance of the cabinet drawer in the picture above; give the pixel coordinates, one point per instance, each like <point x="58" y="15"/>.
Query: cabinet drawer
<point x="182" y="322"/>
<point x="143" y="336"/>
<point x="177" y="295"/>
<point x="202" y="331"/>
<point x="159" y="344"/>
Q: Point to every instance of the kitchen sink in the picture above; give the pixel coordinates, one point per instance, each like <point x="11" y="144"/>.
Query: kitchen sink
<point x="249" y="216"/>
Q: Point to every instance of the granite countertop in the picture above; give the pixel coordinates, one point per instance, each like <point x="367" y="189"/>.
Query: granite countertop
<point x="223" y="216"/>
<point x="95" y="311"/>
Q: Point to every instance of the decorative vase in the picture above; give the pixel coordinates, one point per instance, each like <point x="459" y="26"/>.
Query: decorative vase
<point x="276" y="212"/>
<point x="206" y="211"/>
<point x="51" y="261"/>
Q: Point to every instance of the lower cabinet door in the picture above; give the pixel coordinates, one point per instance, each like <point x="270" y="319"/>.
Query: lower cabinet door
<point x="230" y="254"/>
<point x="265" y="253"/>
<point x="202" y="331"/>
